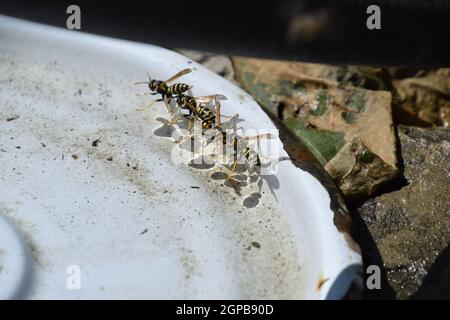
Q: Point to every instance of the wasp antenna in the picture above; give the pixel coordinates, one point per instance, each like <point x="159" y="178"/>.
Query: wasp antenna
<point x="141" y="82"/>
<point x="149" y="78"/>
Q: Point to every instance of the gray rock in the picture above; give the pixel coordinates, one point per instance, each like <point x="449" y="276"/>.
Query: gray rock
<point x="220" y="64"/>
<point x="408" y="230"/>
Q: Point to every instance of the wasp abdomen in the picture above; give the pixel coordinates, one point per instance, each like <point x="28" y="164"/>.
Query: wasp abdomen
<point x="246" y="153"/>
<point x="178" y="88"/>
<point x="206" y="115"/>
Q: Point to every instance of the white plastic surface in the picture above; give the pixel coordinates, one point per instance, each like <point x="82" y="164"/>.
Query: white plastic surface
<point x="15" y="259"/>
<point x="121" y="213"/>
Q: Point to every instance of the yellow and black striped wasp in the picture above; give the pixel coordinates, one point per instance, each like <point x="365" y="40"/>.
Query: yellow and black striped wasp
<point x="164" y="89"/>
<point x="209" y="118"/>
<point x="242" y="148"/>
<point x="199" y="110"/>
<point x="212" y="120"/>
<point x="197" y="106"/>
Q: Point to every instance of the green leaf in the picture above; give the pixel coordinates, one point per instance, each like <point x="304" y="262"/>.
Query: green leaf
<point x="322" y="105"/>
<point x="288" y="87"/>
<point x="324" y="144"/>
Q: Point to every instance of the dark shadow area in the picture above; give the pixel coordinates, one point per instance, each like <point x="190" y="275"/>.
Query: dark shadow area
<point x="165" y="131"/>
<point x="252" y="200"/>
<point x="436" y="285"/>
<point x="349" y="279"/>
<point x="362" y="235"/>
<point x="335" y="32"/>
<point x="199" y="163"/>
<point x="371" y="256"/>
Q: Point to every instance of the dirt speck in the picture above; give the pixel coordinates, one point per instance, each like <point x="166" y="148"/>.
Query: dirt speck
<point x="96" y="142"/>
<point x="189" y="263"/>
<point x="321" y="282"/>
<point x="257" y="245"/>
<point x="12" y="118"/>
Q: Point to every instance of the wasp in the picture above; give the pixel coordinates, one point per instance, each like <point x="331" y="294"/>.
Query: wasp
<point x="241" y="148"/>
<point x="164" y="89"/>
<point x="241" y="143"/>
<point x="197" y="106"/>
<point x="210" y="119"/>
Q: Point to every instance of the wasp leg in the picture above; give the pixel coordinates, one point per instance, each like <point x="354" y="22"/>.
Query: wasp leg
<point x="191" y="124"/>
<point x="146" y="94"/>
<point x="259" y="137"/>
<point x="148" y="106"/>
<point x="217" y="111"/>
<point x="235" y="160"/>
<point x="177" y="119"/>
<point x="233" y="168"/>
<point x="151" y="103"/>
<point x="186" y="116"/>
<point x="173" y="121"/>
<point x="233" y="120"/>
<point x="184" y="139"/>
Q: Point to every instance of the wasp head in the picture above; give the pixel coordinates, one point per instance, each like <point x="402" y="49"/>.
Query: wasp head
<point x="154" y="85"/>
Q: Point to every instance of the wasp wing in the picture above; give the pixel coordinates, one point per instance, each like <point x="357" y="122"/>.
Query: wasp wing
<point x="213" y="97"/>
<point x="179" y="74"/>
